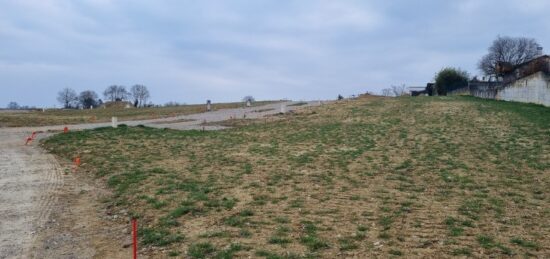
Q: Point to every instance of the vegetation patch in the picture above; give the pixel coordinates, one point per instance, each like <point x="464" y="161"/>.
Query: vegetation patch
<point x="369" y="177"/>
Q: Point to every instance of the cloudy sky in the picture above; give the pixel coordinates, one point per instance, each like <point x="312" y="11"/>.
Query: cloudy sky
<point x="190" y="51"/>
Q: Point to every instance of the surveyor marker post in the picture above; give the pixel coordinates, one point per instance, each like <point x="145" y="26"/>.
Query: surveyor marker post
<point x="77" y="161"/>
<point x="134" y="236"/>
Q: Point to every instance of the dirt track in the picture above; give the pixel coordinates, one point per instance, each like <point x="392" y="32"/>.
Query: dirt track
<point x="28" y="180"/>
<point x="32" y="181"/>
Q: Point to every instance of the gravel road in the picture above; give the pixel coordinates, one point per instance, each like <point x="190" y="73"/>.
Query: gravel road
<point x="30" y="179"/>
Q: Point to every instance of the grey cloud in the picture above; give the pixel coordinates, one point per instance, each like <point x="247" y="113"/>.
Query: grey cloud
<point x="189" y="51"/>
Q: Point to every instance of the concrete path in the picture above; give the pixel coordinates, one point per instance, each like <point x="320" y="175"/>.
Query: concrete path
<point x="30" y="178"/>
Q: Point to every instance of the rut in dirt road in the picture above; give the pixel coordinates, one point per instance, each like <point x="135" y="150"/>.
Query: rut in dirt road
<point x="28" y="179"/>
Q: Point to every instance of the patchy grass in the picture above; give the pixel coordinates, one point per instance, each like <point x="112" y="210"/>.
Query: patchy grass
<point x="372" y="177"/>
<point x="66" y="117"/>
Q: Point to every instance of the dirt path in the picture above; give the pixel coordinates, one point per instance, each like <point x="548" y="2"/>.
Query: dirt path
<point x="28" y="180"/>
<point x="46" y="212"/>
<point x="186" y="122"/>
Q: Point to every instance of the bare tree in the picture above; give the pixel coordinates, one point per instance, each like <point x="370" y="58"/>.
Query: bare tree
<point x="509" y="50"/>
<point x="386" y="92"/>
<point x="248" y="98"/>
<point x="116" y="93"/>
<point x="140" y="95"/>
<point x="68" y="98"/>
<point x="172" y="104"/>
<point x="398" y="90"/>
<point x="88" y="99"/>
<point x="13" y="106"/>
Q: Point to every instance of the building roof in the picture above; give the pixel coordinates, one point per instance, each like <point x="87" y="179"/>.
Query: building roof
<point x="532" y="60"/>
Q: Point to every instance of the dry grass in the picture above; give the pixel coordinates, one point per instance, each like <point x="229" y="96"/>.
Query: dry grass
<point x="65" y="117"/>
<point x="411" y="177"/>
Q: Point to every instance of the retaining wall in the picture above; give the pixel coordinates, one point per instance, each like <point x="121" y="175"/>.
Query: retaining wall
<point x="534" y="88"/>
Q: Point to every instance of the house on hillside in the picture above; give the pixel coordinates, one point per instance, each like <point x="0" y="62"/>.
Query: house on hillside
<point x="508" y="73"/>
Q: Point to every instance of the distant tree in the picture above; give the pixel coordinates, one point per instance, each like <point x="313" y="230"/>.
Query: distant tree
<point x="248" y="98"/>
<point x="449" y="79"/>
<point x="509" y="50"/>
<point x="13" y="106"/>
<point x="170" y="104"/>
<point x="386" y="92"/>
<point x="68" y="98"/>
<point x="398" y="90"/>
<point x="115" y="93"/>
<point x="88" y="99"/>
<point x="140" y="95"/>
<point x="340" y="97"/>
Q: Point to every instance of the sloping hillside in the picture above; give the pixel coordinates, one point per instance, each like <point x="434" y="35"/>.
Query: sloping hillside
<point x="411" y="177"/>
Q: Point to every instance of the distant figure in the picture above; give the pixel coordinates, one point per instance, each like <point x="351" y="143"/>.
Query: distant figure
<point x="248" y="104"/>
<point x="208" y="105"/>
<point x="340" y="97"/>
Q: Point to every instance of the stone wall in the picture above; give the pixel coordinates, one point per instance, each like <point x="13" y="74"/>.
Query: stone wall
<point x="531" y="89"/>
<point x="486" y="90"/>
<point x="534" y="88"/>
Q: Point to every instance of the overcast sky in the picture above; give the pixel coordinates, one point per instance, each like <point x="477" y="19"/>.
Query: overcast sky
<point x="190" y="51"/>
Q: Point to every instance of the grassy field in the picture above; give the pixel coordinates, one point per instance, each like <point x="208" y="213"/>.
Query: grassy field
<point x="65" y="117"/>
<point x="387" y="177"/>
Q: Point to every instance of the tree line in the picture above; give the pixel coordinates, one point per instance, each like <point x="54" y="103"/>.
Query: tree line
<point x="69" y="99"/>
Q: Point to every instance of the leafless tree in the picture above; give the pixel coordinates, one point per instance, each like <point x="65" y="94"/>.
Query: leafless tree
<point x="172" y="104"/>
<point x="68" y="98"/>
<point x="115" y="93"/>
<point x="386" y="92"/>
<point x="140" y="95"/>
<point x="510" y="50"/>
<point x="13" y="106"/>
<point x="398" y="90"/>
<point x="248" y="98"/>
<point x="88" y="99"/>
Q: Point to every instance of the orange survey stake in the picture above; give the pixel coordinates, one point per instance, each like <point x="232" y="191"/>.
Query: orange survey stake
<point x="77" y="161"/>
<point x="134" y="237"/>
